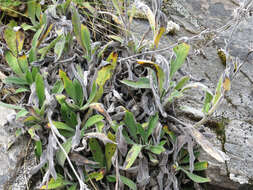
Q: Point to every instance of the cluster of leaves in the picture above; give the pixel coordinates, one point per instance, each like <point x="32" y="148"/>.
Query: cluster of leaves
<point x="104" y="120"/>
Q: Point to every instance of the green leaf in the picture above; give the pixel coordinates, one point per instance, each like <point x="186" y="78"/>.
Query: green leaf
<point x="217" y="91"/>
<point x="117" y="6"/>
<point x="125" y="180"/>
<point x="58" y="87"/>
<point x="33" y="51"/>
<point x="40" y="88"/>
<point x="207" y="102"/>
<point x="43" y="51"/>
<point x="142" y="82"/>
<point x="20" y="90"/>
<point x="32" y="11"/>
<point x="181" y="52"/>
<point x="132" y="155"/>
<point x="91" y="97"/>
<point x="29" y="77"/>
<point x="182" y="82"/>
<point x="10" y="38"/>
<point x="60" y="156"/>
<point x="68" y="85"/>
<point x="151" y="126"/>
<point x="85" y="37"/>
<point x="38" y="148"/>
<point x="160" y="76"/>
<point x="131" y="125"/>
<point x="63" y="126"/>
<point x="156" y="149"/>
<point x="110" y="149"/>
<point x="35" y="70"/>
<point x="170" y="133"/>
<point x="91" y="121"/>
<point x="23" y="63"/>
<point x="59" y="46"/>
<point x="13" y="63"/>
<point x="21" y="113"/>
<point x="174" y="94"/>
<point x="10" y="106"/>
<point x="96" y="175"/>
<point x="15" y="80"/>
<point x="198" y="166"/>
<point x="194" y="177"/>
<point x="56" y="184"/>
<point x="78" y="93"/>
<point x="97" y="152"/>
<point x="73" y="187"/>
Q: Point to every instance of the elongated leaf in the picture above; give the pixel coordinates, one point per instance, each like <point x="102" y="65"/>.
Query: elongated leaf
<point x="56" y="184"/>
<point x="182" y="82"/>
<point x="158" y="70"/>
<point x="110" y="149"/>
<point x="207" y="102"/>
<point x="79" y="97"/>
<point x="10" y="106"/>
<point x="197" y="85"/>
<point x="38" y="148"/>
<point x="151" y="126"/>
<point x="62" y="126"/>
<point x="68" y="85"/>
<point x="158" y="36"/>
<point x="97" y="152"/>
<point x="40" y="88"/>
<point x="85" y="37"/>
<point x="195" y="178"/>
<point x="131" y="125"/>
<point x="20" y="90"/>
<point x="156" y="149"/>
<point x="148" y="12"/>
<point x="132" y="155"/>
<point x="100" y="136"/>
<point x="23" y="63"/>
<point x="207" y="146"/>
<point x="91" y="121"/>
<point x="198" y="166"/>
<point x="59" y="46"/>
<point x="60" y="156"/>
<point x="125" y="180"/>
<point x="10" y="38"/>
<point x="13" y="63"/>
<point x="21" y="113"/>
<point x="117" y="6"/>
<point x="217" y="92"/>
<point x="58" y="87"/>
<point x="140" y="83"/>
<point x="20" y="38"/>
<point x="181" y="52"/>
<point x="96" y="175"/>
<point x="32" y="11"/>
<point x="15" y="80"/>
<point x="33" y="51"/>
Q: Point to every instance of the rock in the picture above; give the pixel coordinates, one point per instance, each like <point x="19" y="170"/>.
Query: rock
<point x="12" y="158"/>
<point x="232" y="123"/>
<point x="237" y="109"/>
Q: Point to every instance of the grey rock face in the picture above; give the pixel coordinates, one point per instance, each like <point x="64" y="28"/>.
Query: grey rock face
<point x="237" y="108"/>
<point x="236" y="136"/>
<point x="12" y="156"/>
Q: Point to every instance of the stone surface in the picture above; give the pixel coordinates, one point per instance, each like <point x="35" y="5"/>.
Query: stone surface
<point x="12" y="167"/>
<point x="235" y="137"/>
